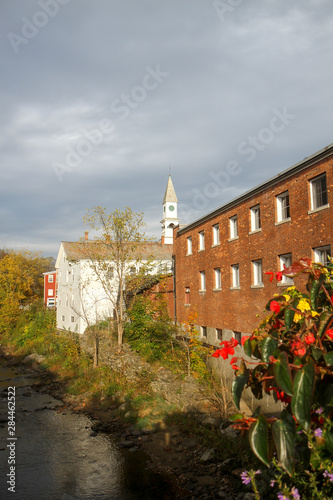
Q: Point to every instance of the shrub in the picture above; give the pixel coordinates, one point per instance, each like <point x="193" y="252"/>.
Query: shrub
<point x="292" y="358"/>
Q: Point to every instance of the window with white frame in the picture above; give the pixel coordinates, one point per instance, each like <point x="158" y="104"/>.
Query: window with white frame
<point x="255" y="218"/>
<point x="50" y="278"/>
<point x="233" y="227"/>
<point x="72" y="319"/>
<point x="218" y="333"/>
<point x="285" y="261"/>
<point x="283" y="207"/>
<point x="322" y="254"/>
<point x="50" y="292"/>
<point x="217" y="274"/>
<point x="257" y="272"/>
<point x="202" y="280"/>
<point x="189" y="245"/>
<point x="201" y="240"/>
<point x="203" y="331"/>
<point x="318" y="192"/>
<point x="235" y="275"/>
<point x="216" y="234"/>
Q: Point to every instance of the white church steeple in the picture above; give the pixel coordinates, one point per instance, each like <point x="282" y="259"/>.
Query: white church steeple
<point x="170" y="218"/>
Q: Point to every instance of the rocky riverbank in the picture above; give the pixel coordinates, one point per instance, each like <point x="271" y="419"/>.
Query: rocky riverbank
<point x="194" y="470"/>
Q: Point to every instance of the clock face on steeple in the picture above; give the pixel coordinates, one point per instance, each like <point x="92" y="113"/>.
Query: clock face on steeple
<point x="171" y="208"/>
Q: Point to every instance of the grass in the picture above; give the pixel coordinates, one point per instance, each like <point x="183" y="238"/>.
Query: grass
<point x="104" y="388"/>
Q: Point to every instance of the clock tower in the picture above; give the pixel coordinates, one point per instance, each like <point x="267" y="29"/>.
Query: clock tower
<point x="170" y="218"/>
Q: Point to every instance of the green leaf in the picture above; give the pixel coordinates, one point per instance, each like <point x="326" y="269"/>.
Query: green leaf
<point x="258" y="437"/>
<point x="288" y="317"/>
<point x="282" y="374"/>
<point x="268" y="346"/>
<point x="248" y="347"/>
<point x="238" y="385"/>
<point x="315" y="291"/>
<point x="284" y="435"/>
<point x="316" y="353"/>
<point x="329" y="358"/>
<point x="237" y="416"/>
<point x="301" y="401"/>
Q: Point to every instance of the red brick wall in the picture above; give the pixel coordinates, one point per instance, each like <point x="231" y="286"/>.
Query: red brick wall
<point x="165" y="288"/>
<point x="237" y="309"/>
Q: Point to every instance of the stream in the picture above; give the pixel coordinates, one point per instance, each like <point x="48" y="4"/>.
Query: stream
<point x="46" y="454"/>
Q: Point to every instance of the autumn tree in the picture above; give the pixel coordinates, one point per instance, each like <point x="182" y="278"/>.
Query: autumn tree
<point x="118" y="250"/>
<point x="21" y="283"/>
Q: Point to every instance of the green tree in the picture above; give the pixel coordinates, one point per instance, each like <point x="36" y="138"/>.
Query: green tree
<point x="118" y="250"/>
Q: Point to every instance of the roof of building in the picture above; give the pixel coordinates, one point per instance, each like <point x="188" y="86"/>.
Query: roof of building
<point x="289" y="172"/>
<point x="83" y="250"/>
<point x="170" y="193"/>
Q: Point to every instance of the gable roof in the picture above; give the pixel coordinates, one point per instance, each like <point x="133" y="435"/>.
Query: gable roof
<point x="82" y="250"/>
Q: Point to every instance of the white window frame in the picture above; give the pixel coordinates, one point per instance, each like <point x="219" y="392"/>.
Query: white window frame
<point x="233" y="222"/>
<point x="218" y="332"/>
<point x="189" y="245"/>
<point x="283" y="207"/>
<point x="202" y="281"/>
<point x="217" y="275"/>
<point x="319" y="198"/>
<point x="203" y="331"/>
<point x="255" y="218"/>
<point x="321" y="254"/>
<point x="216" y="234"/>
<point x="285" y="261"/>
<point x="50" y="292"/>
<point x="235" y="276"/>
<point x="257" y="272"/>
<point x="50" y="278"/>
<point x="201" y="240"/>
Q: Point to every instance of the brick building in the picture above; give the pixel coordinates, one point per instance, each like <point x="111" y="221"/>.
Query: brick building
<point x="220" y="259"/>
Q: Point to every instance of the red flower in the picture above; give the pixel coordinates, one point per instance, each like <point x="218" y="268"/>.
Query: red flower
<point x="309" y="338"/>
<point x="274" y="306"/>
<point x="276" y="325"/>
<point x="280" y="395"/>
<point x="272" y="275"/>
<point x="278" y="275"/>
<point x="227" y="349"/>
<point x="299" y="348"/>
<point x="329" y="333"/>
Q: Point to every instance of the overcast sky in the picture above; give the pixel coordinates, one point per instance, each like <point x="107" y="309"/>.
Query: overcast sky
<point x="100" y="98"/>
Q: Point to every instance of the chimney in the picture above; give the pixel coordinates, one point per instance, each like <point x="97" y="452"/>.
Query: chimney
<point x="86" y="235"/>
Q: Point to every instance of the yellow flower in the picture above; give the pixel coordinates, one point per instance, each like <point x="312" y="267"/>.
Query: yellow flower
<point x="303" y="305"/>
<point x="297" y="317"/>
<point x="314" y="314"/>
<point x="287" y="297"/>
<point x="291" y="288"/>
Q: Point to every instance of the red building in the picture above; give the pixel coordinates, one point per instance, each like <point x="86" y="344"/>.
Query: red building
<point x="220" y="259"/>
<point x="50" y="289"/>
